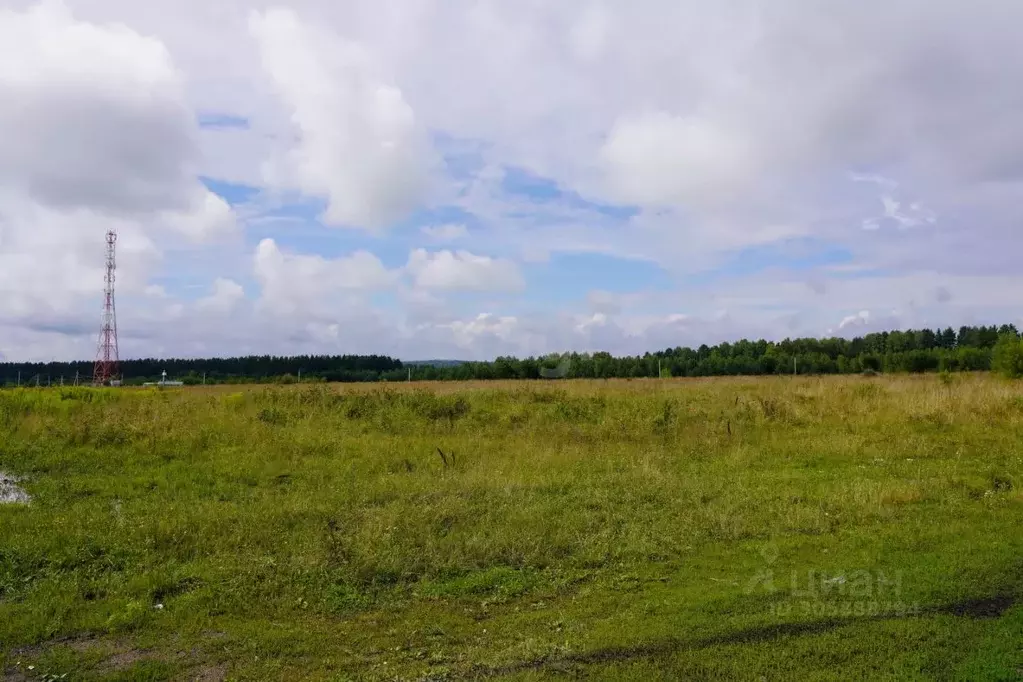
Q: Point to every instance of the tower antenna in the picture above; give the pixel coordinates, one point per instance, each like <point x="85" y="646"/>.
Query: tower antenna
<point x="106" y="368"/>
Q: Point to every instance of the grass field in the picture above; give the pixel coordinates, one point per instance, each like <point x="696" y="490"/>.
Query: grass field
<point x="781" y="528"/>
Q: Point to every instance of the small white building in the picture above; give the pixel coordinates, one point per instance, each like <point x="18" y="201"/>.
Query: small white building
<point x="163" y="381"/>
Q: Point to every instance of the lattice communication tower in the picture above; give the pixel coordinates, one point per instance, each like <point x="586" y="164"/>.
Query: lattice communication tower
<point x="106" y="368"/>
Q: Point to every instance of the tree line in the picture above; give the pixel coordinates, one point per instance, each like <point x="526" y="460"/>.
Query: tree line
<point x="922" y="350"/>
<point x="248" y="369"/>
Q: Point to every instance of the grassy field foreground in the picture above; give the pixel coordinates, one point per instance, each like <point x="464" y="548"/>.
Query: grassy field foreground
<point x="837" y="528"/>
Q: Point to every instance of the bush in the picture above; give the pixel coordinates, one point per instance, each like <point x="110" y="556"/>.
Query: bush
<point x="1007" y="358"/>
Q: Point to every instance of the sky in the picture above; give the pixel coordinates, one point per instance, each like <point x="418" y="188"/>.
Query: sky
<point x="474" y="178"/>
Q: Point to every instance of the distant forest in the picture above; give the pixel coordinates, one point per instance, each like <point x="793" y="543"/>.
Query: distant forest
<point x="923" y="350"/>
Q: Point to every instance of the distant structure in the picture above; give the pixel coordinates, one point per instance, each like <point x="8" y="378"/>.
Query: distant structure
<point x="106" y="370"/>
<point x="163" y="381"/>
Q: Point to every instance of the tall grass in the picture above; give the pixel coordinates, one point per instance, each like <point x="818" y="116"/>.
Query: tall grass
<point x="308" y="506"/>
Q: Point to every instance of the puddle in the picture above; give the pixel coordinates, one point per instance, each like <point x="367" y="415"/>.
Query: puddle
<point x="10" y="493"/>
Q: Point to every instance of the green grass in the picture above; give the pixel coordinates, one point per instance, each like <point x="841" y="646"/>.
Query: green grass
<point x="837" y="528"/>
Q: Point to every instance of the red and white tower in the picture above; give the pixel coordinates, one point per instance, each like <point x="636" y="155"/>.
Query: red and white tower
<point x="106" y="368"/>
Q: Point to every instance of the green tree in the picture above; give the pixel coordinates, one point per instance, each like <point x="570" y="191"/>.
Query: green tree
<point x="1007" y="357"/>
<point x="948" y="338"/>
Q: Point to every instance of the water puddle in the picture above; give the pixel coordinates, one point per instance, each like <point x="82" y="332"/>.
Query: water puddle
<point x="10" y="493"/>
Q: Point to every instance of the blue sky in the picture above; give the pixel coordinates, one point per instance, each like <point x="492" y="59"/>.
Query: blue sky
<point x="560" y="279"/>
<point x="523" y="208"/>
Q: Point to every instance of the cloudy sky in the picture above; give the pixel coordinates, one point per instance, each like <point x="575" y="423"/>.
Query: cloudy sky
<point x="469" y="178"/>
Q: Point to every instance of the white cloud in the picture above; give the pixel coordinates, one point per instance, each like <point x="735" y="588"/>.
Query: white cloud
<point x="589" y="35"/>
<point x="448" y="232"/>
<point x="608" y="303"/>
<point x="595" y="320"/>
<point x="861" y="319"/>
<point x="52" y="261"/>
<point x="873" y="178"/>
<point x="462" y="271"/>
<point x="359" y="143"/>
<point x="867" y="322"/>
<point x="95" y="120"/>
<point x="657" y="159"/>
<point x="210" y="216"/>
<point x="93" y="115"/>
<point x="313" y="286"/>
<point x="468" y="333"/>
<point x="95" y="134"/>
<point x="913" y="216"/>
<point x="225" y="296"/>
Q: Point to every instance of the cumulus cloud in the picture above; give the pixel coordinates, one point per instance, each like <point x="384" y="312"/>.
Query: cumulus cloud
<point x="210" y="216"/>
<point x="96" y="120"/>
<point x="488" y="334"/>
<point x="462" y="271"/>
<point x="312" y="285"/>
<point x="698" y="136"/>
<point x="225" y="296"/>
<point x="52" y="263"/>
<point x="359" y="143"/>
<point x="93" y="116"/>
<point x="95" y="134"/>
<point x="483" y="328"/>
